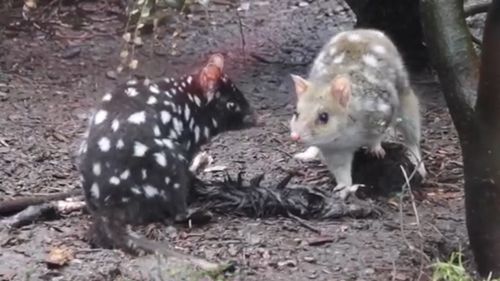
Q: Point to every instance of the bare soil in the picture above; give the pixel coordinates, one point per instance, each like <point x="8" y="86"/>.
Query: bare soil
<point x="49" y="82"/>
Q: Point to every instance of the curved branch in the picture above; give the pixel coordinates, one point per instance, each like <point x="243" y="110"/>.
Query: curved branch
<point x="474" y="9"/>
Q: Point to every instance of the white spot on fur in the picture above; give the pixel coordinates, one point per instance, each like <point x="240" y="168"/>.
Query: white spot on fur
<point x="190" y="96"/>
<point x="168" y="94"/>
<point x="168" y="143"/>
<point x="115" y="125"/>
<point x="176" y="84"/>
<point x="165" y="117"/>
<point x="196" y="134"/>
<point x="153" y="88"/>
<point x="152" y="100"/>
<point x="137" y="118"/>
<point x="150" y="191"/>
<point x="136" y="190"/>
<point x="131" y="82"/>
<point x="125" y="175"/>
<point x="370" y="60"/>
<point x="174" y="92"/>
<point x="120" y="144"/>
<point x="114" y="180"/>
<point x="173" y="134"/>
<point x="197" y="100"/>
<point x="379" y="49"/>
<point x="191" y="124"/>
<point x="156" y="131"/>
<point x="167" y="180"/>
<point x="139" y="149"/>
<point x="144" y="174"/>
<point x="178" y="126"/>
<point x="177" y="185"/>
<point x="104" y="144"/>
<point x="100" y="116"/>
<point x="161" y="159"/>
<point x="131" y="92"/>
<point x="214" y="122"/>
<point x="339" y="58"/>
<point x="107" y="97"/>
<point x="183" y="85"/>
<point x="354" y="37"/>
<point x="189" y="79"/>
<point x="147" y="82"/>
<point x="167" y="80"/>
<point x="331" y="51"/>
<point x="384" y="107"/>
<point x="94" y="191"/>
<point x="187" y="113"/>
<point x="158" y="142"/>
<point x="96" y="168"/>
<point x="207" y="132"/>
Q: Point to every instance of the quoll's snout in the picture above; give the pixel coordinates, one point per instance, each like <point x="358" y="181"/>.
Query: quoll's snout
<point x="295" y="136"/>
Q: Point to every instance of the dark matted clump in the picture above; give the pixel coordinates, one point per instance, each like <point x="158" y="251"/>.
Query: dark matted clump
<point x="250" y="198"/>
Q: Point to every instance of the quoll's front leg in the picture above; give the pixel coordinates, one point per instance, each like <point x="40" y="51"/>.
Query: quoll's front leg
<point x="377" y="150"/>
<point x="310" y="154"/>
<point x="340" y="163"/>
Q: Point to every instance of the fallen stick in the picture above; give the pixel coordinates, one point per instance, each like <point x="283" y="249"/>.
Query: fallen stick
<point x="45" y="210"/>
<point x="14" y="205"/>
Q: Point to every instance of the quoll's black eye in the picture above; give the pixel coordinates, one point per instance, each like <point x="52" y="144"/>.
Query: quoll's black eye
<point x="296" y="114"/>
<point x="323" y="117"/>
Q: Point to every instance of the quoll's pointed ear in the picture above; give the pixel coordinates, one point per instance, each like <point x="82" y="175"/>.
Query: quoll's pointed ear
<point x="210" y="75"/>
<point x="301" y="84"/>
<point x="341" y="90"/>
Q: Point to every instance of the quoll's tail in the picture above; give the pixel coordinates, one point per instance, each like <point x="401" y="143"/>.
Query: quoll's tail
<point x="409" y="124"/>
<point x="109" y="233"/>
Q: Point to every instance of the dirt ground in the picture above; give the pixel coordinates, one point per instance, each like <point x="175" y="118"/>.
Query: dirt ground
<point x="49" y="83"/>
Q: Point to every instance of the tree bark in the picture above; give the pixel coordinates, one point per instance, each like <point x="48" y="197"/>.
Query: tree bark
<point x="400" y="20"/>
<point x="482" y="158"/>
<point x="456" y="63"/>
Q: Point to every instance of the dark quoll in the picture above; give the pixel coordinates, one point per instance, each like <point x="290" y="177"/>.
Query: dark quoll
<point x="141" y="139"/>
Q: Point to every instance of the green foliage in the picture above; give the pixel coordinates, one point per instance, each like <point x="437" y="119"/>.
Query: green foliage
<point x="452" y="270"/>
<point x="142" y="14"/>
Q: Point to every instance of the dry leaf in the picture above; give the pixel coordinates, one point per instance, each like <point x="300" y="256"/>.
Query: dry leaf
<point x="133" y="64"/>
<point x="127" y="36"/>
<point x="59" y="256"/>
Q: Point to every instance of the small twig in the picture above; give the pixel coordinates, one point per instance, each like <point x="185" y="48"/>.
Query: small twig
<point x="264" y="60"/>
<point x="18" y="204"/>
<point x="303" y="223"/>
<point x="33" y="213"/>
<point x="242" y="34"/>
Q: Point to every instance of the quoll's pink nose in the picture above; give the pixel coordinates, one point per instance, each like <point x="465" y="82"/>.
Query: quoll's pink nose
<point x="295" y="136"/>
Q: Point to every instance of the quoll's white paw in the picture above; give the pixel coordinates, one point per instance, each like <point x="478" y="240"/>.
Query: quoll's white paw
<point x="311" y="154"/>
<point x="347" y="190"/>
<point x="200" y="161"/>
<point x="378" y="151"/>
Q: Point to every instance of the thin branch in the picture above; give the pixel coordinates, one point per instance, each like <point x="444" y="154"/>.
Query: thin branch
<point x="14" y="205"/>
<point x="478" y="8"/>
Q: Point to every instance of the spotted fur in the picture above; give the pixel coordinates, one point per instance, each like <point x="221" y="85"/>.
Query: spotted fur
<point x="135" y="160"/>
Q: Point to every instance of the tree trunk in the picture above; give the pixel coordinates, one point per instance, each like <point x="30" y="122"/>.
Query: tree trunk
<point x="400" y="20"/>
<point x="482" y="158"/>
<point x="456" y="63"/>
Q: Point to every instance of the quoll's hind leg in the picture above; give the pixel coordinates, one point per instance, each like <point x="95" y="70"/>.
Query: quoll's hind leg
<point x="409" y="124"/>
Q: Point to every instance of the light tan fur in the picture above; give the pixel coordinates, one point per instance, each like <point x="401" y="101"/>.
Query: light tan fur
<point x="358" y="88"/>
